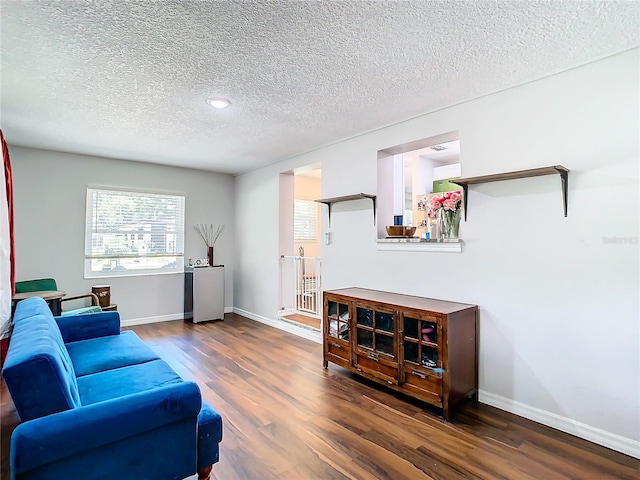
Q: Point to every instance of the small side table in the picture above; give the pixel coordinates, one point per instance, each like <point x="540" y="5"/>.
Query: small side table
<point x="52" y="297"/>
<point x="110" y="308"/>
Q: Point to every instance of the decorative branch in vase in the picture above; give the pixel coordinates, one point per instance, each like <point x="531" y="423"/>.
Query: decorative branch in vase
<point x="210" y="237"/>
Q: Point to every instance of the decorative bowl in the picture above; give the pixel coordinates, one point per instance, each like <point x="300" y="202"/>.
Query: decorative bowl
<point x="400" y="231"/>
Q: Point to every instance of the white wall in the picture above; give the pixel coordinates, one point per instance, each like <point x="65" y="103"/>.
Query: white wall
<point x="559" y="305"/>
<point x="50" y="195"/>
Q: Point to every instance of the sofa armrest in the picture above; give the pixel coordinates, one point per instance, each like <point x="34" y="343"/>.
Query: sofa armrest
<point x="90" y="325"/>
<point x="47" y="439"/>
<point x="209" y="436"/>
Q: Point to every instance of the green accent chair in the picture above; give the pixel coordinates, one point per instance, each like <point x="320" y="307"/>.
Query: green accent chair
<point x="49" y="284"/>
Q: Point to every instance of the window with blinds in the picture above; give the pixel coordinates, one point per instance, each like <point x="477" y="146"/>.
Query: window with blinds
<point x="133" y="233"/>
<point x="305" y="220"/>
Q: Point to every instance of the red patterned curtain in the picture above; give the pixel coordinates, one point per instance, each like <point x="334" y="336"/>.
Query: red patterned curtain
<point x="9" y="190"/>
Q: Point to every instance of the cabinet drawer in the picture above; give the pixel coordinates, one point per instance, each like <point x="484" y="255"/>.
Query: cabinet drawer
<point x="378" y="368"/>
<point x="338" y="349"/>
<point x="413" y="379"/>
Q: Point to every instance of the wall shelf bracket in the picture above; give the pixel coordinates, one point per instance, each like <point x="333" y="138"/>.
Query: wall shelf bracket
<point x="533" y="172"/>
<point x="358" y="196"/>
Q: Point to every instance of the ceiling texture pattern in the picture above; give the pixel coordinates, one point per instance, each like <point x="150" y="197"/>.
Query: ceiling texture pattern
<point x="129" y="79"/>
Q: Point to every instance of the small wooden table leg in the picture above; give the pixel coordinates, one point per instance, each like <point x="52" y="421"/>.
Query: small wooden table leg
<point x="203" y="473"/>
<point x="56" y="307"/>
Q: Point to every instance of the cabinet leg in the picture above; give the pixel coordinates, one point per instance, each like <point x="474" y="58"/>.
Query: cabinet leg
<point x="325" y="364"/>
<point x="445" y="412"/>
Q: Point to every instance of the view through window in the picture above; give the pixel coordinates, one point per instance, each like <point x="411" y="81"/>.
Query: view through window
<point x="133" y="233"/>
<point x="305" y="220"/>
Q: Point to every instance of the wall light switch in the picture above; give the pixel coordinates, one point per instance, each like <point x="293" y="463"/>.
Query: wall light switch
<point x="327" y="238"/>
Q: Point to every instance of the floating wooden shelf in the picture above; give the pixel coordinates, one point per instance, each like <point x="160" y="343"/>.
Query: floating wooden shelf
<point x="533" y="172"/>
<point x="357" y="196"/>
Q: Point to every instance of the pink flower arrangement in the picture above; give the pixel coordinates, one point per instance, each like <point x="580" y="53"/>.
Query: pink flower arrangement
<point x="449" y="201"/>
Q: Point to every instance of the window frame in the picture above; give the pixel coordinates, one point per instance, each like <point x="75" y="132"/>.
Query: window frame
<point x="315" y="220"/>
<point x="178" y="234"/>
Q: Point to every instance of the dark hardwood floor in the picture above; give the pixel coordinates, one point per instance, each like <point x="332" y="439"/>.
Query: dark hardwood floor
<point x="285" y="417"/>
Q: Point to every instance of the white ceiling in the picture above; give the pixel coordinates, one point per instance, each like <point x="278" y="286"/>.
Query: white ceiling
<point x="129" y="79"/>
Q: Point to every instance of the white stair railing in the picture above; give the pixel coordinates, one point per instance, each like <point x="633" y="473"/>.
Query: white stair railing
<point x="301" y="285"/>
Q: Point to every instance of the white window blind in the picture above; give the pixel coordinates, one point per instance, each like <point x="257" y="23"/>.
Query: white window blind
<point x="305" y="220"/>
<point x="133" y="233"/>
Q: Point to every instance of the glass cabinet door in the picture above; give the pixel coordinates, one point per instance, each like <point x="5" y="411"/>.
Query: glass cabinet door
<point x="338" y="320"/>
<point x="420" y="340"/>
<point x="375" y="330"/>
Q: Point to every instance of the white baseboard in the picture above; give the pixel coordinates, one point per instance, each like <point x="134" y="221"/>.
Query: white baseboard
<point x="162" y="318"/>
<point x="610" y="440"/>
<point x="144" y="320"/>
<point x="308" y="333"/>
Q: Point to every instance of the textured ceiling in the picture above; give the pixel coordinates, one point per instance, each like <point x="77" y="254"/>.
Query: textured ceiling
<point x="129" y="79"/>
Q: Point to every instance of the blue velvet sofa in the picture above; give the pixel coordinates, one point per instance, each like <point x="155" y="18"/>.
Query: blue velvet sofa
<point x="98" y="403"/>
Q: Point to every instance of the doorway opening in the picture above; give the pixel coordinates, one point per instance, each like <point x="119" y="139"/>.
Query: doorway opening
<point x="300" y="248"/>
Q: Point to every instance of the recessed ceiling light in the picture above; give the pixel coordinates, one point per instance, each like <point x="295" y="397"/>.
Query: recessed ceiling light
<point x="218" y="102"/>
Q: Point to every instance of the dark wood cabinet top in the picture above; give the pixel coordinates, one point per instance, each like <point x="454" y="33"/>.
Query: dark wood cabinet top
<point x="401" y="300"/>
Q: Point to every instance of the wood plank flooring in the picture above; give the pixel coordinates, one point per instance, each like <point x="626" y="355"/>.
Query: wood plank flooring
<point x="287" y="418"/>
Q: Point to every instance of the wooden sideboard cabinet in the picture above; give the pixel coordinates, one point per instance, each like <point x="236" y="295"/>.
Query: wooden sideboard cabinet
<point x="422" y="347"/>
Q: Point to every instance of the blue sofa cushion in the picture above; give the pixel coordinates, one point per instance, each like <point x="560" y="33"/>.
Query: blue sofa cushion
<point x="107" y="353"/>
<point x="74" y="328"/>
<point x="38" y="371"/>
<point x="120" y="382"/>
